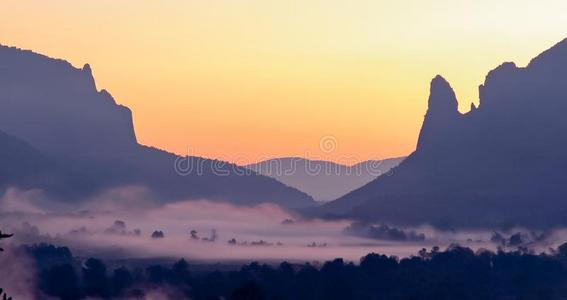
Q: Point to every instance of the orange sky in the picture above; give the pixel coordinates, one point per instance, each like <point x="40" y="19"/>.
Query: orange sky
<point x="249" y="80"/>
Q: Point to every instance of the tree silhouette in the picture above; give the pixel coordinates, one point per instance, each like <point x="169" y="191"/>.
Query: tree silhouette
<point x="4" y="236"/>
<point x="95" y="279"/>
<point x="2" y="294"/>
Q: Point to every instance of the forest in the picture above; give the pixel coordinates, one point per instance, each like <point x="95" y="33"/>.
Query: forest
<point x="454" y="273"/>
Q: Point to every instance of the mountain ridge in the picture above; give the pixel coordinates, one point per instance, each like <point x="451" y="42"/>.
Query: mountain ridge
<point x="58" y="110"/>
<point x="323" y="180"/>
<point x="503" y="163"/>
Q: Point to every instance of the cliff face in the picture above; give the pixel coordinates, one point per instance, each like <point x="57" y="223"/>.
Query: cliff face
<point x="57" y="111"/>
<point x="502" y="163"/>
<point x="442" y="116"/>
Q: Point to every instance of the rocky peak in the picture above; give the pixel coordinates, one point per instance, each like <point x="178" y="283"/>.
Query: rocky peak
<point x="442" y="113"/>
<point x="90" y="81"/>
<point x="57" y="108"/>
<point x="442" y="99"/>
<point x="473" y="107"/>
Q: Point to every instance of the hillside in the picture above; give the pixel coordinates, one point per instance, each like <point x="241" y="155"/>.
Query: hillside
<point x="323" y="180"/>
<point x="501" y="164"/>
<point x="57" y="110"/>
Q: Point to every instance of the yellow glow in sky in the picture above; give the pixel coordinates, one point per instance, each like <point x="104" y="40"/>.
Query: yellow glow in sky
<point x="249" y="80"/>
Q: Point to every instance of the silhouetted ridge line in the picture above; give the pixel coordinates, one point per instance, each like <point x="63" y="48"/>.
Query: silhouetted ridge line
<point x="501" y="164"/>
<point x="90" y="144"/>
<point x="323" y="180"/>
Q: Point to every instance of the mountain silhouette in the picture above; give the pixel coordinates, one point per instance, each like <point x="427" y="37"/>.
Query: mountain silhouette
<point x="72" y="132"/>
<point x="22" y="165"/>
<point x="501" y="164"/>
<point x="57" y="109"/>
<point x="323" y="180"/>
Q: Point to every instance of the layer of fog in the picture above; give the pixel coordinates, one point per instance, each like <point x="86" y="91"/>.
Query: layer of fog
<point x="126" y="223"/>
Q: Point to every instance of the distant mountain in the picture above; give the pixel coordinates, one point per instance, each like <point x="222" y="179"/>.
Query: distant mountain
<point x="501" y="164"/>
<point x="57" y="111"/>
<point x="323" y="180"/>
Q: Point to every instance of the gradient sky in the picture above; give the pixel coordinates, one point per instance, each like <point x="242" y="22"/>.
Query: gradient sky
<point x="249" y="80"/>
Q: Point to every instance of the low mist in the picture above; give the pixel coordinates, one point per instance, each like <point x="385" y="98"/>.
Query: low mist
<point x="128" y="223"/>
